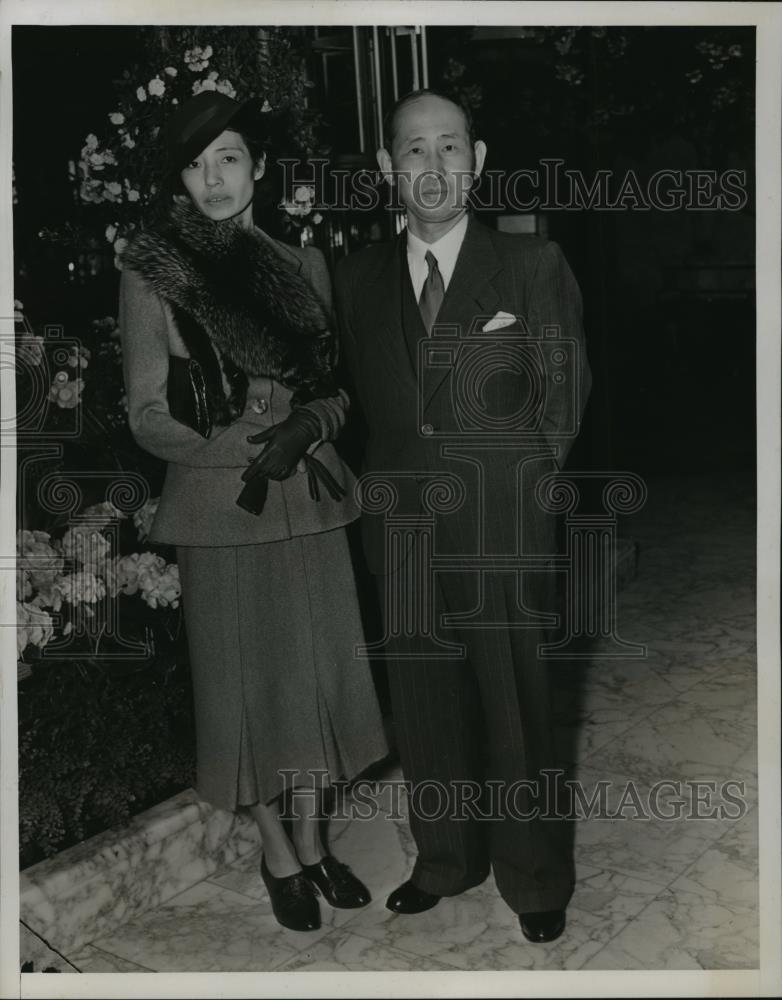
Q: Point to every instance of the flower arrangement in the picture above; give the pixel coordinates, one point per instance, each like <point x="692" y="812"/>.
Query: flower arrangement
<point x="75" y="574"/>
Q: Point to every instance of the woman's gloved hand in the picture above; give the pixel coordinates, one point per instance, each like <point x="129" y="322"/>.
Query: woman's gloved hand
<point x="286" y="443"/>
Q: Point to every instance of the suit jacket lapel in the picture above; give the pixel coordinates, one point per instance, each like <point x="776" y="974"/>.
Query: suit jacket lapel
<point x="470" y="292"/>
<point x="384" y="325"/>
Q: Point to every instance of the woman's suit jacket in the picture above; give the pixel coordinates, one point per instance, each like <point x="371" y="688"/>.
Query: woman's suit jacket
<point x="203" y="477"/>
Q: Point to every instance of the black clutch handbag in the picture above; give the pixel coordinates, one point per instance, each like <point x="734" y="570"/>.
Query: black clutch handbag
<point x="187" y="397"/>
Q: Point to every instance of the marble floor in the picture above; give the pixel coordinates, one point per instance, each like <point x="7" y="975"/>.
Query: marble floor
<point x="653" y="891"/>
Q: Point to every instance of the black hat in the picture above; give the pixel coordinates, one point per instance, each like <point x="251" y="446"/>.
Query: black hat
<point x="196" y="123"/>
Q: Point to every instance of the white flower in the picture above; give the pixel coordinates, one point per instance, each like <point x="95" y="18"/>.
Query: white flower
<point x="317" y="218"/>
<point x="133" y="195"/>
<point x="117" y="118"/>
<point x="112" y="191"/>
<point x="201" y="85"/>
<point x="101" y="514"/>
<point x="128" y="142"/>
<point x="66" y="394"/>
<point x="148" y="574"/>
<point x="91" y="191"/>
<point x="225" y="87"/>
<point x="49" y="595"/>
<point x="170" y="71"/>
<point x="110" y="577"/>
<point x="78" y="357"/>
<point x="91" y="142"/>
<point x="111" y="232"/>
<point x="82" y="587"/>
<point x="156" y="87"/>
<point x="303" y="200"/>
<point x="141" y="94"/>
<point x="144" y="517"/>
<point x="161" y="588"/>
<point x="34" y="627"/>
<point x="85" y="546"/>
<point x="197" y="58"/>
<point x="38" y="560"/>
<point x="266" y="107"/>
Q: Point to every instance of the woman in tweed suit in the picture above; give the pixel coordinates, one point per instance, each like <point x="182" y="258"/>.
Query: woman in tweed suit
<point x="268" y="591"/>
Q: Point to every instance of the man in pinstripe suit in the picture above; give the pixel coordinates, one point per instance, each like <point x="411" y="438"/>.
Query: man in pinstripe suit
<point x="470" y="704"/>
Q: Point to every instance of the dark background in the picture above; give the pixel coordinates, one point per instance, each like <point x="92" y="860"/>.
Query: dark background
<point x="669" y="297"/>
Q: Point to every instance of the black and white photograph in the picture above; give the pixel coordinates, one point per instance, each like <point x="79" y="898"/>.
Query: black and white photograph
<point x="391" y="482"/>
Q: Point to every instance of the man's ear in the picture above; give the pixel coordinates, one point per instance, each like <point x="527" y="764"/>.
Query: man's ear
<point x="260" y="168"/>
<point x="384" y="162"/>
<point x="480" y="155"/>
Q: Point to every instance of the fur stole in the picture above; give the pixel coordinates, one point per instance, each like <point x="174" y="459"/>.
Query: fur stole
<point x="262" y="316"/>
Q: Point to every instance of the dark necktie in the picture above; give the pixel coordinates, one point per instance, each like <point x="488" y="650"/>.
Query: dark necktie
<point x="432" y="293"/>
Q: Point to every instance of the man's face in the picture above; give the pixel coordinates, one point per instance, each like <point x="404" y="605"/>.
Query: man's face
<point x="432" y="159"/>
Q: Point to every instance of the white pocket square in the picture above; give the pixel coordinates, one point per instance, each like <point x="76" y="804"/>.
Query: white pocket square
<point x="498" y="321"/>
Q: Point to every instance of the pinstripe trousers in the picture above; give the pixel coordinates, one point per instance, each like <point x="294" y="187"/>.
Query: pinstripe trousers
<point x="481" y="722"/>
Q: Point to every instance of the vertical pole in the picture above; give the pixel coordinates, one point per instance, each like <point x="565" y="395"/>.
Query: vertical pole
<point x="424" y="57"/>
<point x="393" y="62"/>
<point x="359" y="98"/>
<point x="378" y="84"/>
<point x="414" y="60"/>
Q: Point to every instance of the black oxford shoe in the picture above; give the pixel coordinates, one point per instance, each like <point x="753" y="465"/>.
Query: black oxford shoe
<point x="293" y="900"/>
<point x="339" y="885"/>
<point x="408" y="898"/>
<point x="544" y="926"/>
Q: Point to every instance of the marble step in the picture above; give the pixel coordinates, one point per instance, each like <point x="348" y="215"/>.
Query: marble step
<point x="88" y="890"/>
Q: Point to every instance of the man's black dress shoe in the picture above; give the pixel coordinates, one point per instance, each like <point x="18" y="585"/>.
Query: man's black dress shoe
<point x="339" y="885"/>
<point x="408" y="898"/>
<point x="293" y="900"/>
<point x="544" y="926"/>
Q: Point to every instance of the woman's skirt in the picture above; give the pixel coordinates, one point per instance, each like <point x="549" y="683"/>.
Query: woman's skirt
<point x="280" y="697"/>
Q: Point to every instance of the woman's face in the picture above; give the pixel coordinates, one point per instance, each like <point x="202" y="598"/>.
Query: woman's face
<point x="221" y="180"/>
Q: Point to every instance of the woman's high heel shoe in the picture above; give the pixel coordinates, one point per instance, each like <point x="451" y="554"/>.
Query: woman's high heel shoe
<point x="293" y="898"/>
<point x="339" y="885"/>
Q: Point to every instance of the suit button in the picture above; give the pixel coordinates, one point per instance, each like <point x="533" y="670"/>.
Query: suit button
<point x="259" y="405"/>
<point x="427" y="430"/>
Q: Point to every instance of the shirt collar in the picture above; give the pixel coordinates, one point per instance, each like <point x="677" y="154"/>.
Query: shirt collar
<point x="446" y="249"/>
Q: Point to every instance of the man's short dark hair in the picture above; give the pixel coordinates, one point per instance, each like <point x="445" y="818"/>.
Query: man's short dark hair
<point x="389" y="122"/>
